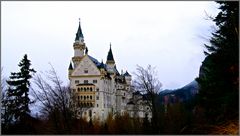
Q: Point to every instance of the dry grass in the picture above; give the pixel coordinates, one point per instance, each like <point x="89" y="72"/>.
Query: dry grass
<point x="227" y="128"/>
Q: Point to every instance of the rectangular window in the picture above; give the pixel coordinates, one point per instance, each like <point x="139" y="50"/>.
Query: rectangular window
<point x="85" y="71"/>
<point x="76" y="81"/>
<point x="97" y="98"/>
<point x="85" y="81"/>
<point x="94" y="81"/>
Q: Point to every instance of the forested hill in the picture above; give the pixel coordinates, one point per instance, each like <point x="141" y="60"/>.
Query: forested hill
<point x="182" y="94"/>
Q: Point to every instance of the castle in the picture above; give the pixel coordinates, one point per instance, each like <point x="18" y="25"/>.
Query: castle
<point x="98" y="87"/>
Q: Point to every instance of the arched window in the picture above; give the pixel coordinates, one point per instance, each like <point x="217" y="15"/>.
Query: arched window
<point x="84" y="97"/>
<point x="90" y="97"/>
<point x="81" y="89"/>
<point x="78" y="97"/>
<point x="78" y="89"/>
<point x="84" y="89"/>
<point x="81" y="97"/>
<point x="87" y="97"/>
<point x="91" y="89"/>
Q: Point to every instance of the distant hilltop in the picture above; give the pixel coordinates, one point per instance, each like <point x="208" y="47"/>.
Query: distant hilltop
<point x="179" y="95"/>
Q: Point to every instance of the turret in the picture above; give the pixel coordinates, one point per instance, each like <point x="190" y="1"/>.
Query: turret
<point x="110" y="61"/>
<point x="79" y="46"/>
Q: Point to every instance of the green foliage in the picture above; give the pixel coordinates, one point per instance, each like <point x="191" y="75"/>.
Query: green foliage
<point x="17" y="101"/>
<point x="219" y="73"/>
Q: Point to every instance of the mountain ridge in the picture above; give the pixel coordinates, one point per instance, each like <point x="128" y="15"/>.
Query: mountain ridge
<point x="182" y="94"/>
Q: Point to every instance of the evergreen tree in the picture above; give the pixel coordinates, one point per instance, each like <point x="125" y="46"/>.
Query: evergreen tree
<point x="18" y="90"/>
<point x="219" y="73"/>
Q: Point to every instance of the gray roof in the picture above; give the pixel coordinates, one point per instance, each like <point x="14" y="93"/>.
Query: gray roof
<point x="102" y="65"/>
<point x="95" y="61"/>
<point x="126" y="74"/>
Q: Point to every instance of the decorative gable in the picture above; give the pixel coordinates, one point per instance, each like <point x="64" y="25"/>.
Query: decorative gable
<point x="86" y="67"/>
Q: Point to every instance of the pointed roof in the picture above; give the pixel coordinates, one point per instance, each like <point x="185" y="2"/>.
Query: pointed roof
<point x="126" y="74"/>
<point x="101" y="65"/>
<point x="95" y="61"/>
<point x="79" y="33"/>
<point x="110" y="55"/>
<point x="70" y="66"/>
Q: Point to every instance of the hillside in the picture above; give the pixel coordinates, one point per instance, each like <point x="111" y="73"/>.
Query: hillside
<point x="180" y="95"/>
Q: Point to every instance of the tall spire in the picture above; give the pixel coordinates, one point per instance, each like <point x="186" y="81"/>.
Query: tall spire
<point x="79" y="34"/>
<point x="110" y="55"/>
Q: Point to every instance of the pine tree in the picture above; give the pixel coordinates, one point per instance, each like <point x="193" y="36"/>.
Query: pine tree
<point x="219" y="73"/>
<point x="18" y="90"/>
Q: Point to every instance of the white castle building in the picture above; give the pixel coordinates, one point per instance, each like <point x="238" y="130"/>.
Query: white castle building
<point x="98" y="87"/>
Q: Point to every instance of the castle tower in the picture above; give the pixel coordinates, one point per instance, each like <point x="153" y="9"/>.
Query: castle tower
<point x="79" y="46"/>
<point x="98" y="88"/>
<point x="110" y="61"/>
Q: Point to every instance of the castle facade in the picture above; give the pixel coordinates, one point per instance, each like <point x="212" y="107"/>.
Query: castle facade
<point x="98" y="87"/>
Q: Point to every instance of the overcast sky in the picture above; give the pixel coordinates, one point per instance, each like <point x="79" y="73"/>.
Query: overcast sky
<point x="167" y="35"/>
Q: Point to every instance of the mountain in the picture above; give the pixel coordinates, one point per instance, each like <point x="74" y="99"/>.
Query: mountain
<point x="179" y="95"/>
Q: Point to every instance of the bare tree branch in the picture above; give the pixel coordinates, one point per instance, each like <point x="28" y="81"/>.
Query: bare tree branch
<point x="147" y="83"/>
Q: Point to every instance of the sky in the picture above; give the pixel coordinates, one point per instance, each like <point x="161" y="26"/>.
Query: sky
<point x="167" y="35"/>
